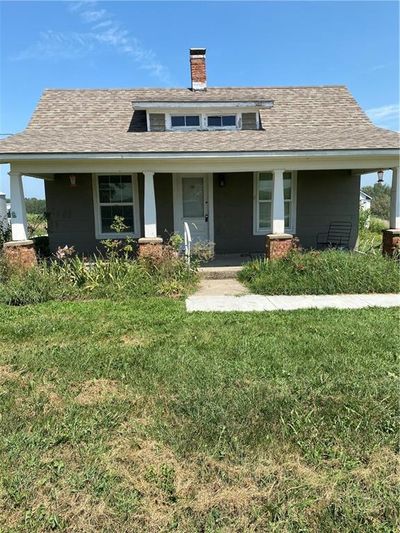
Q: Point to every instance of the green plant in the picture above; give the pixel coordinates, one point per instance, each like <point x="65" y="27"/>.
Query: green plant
<point x="176" y="241"/>
<point x="202" y="251"/>
<point x="327" y="272"/>
<point x="363" y="219"/>
<point x="118" y="247"/>
<point x="377" y="225"/>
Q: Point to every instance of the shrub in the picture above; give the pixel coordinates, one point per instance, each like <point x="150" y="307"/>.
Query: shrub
<point x="327" y="272"/>
<point x="202" y="251"/>
<point x="377" y="225"/>
<point x="34" y="286"/>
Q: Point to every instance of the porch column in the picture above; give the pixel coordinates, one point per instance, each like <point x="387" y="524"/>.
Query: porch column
<point x="391" y="236"/>
<point x="278" y="242"/>
<point x="150" y="244"/>
<point x="150" y="214"/>
<point x="18" y="211"/>
<point x="20" y="252"/>
<point x="278" y="204"/>
<point x="395" y="199"/>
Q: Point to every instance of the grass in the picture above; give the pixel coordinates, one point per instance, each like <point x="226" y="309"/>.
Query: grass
<point x="136" y="416"/>
<point x="327" y="272"/>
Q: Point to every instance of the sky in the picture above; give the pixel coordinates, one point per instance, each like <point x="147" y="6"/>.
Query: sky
<point x="66" y="44"/>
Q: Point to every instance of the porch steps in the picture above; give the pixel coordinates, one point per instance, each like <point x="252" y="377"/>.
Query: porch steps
<point x="219" y="272"/>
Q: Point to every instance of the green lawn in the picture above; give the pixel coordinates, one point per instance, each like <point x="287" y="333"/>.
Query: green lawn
<point x="136" y="416"/>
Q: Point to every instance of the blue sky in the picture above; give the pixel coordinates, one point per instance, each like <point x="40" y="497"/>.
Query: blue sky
<point x="145" y="44"/>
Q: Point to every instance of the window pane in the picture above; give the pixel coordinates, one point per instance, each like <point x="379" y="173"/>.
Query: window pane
<point x="193" y="197"/>
<point x="229" y="120"/>
<point x="288" y="209"/>
<point x="177" y="121"/>
<point x="115" y="189"/>
<point x="265" y="215"/>
<point x="287" y="185"/>
<point x="265" y="186"/>
<point x="214" y="121"/>
<point x="109" y="212"/>
<point x="192" y="120"/>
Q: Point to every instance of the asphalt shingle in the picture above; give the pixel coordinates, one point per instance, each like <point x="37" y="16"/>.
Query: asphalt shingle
<point x="98" y="121"/>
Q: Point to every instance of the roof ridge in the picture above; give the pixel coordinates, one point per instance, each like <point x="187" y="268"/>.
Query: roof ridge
<point x="232" y="88"/>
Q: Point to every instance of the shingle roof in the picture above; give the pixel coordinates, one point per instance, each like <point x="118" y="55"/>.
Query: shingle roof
<point x="97" y="121"/>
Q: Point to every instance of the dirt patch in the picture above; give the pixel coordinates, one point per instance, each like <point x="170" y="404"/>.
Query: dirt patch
<point x="98" y="391"/>
<point x="135" y="340"/>
<point x="7" y="373"/>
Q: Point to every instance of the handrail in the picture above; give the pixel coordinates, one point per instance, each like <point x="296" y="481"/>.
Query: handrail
<point x="188" y="240"/>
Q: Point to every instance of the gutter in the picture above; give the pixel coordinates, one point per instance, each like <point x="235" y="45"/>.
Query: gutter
<point x="394" y="152"/>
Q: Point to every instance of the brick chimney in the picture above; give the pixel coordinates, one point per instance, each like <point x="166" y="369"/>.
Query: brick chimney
<point x="198" y="69"/>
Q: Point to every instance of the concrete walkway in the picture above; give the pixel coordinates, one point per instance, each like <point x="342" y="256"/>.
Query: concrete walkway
<point x="220" y="287"/>
<point x="253" y="302"/>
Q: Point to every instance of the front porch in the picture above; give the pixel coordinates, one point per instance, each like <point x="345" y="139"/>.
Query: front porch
<point x="234" y="209"/>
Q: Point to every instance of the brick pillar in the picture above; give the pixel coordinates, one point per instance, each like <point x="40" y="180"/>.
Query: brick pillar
<point x="20" y="254"/>
<point x="150" y="247"/>
<point x="391" y="242"/>
<point x="278" y="245"/>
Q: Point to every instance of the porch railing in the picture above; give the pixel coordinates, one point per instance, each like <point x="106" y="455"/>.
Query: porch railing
<point x="187" y="240"/>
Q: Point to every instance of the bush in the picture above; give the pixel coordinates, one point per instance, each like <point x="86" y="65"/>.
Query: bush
<point x="34" y="286"/>
<point x="327" y="272"/>
<point x="73" y="278"/>
<point x="377" y="225"/>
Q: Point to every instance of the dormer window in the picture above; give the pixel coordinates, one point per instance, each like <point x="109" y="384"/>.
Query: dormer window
<point x="185" y="121"/>
<point x="221" y="121"/>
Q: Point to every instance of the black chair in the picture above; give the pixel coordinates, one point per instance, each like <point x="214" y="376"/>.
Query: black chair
<point x="337" y="236"/>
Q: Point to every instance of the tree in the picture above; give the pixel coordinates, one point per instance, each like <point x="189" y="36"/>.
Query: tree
<point x="380" y="203"/>
<point x="35" y="206"/>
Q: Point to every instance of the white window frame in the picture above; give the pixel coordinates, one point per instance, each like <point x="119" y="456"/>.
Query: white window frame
<point x="169" y="125"/>
<point x="97" y="205"/>
<point x="203" y="116"/>
<point x="237" y="126"/>
<point x="256" y="204"/>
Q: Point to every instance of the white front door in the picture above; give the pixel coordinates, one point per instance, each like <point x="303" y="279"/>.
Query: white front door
<point x="192" y="204"/>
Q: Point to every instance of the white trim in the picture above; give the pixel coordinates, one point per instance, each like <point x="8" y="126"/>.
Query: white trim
<point x="177" y="199"/>
<point x="168" y="121"/>
<point x="203" y="119"/>
<point x="96" y="206"/>
<point x="200" y="105"/>
<point x="266" y="231"/>
<point x="262" y="155"/>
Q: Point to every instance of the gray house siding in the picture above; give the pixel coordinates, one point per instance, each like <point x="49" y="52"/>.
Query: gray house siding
<point x="70" y="213"/>
<point x="322" y="197"/>
<point x="233" y="215"/>
<point x="157" y="121"/>
<point x="325" y="196"/>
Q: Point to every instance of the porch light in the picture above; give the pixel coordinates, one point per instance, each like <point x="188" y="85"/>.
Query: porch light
<point x="72" y="180"/>
<point x="221" y="180"/>
<point x="380" y="176"/>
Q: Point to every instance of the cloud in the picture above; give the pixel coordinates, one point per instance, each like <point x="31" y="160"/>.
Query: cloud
<point x="103" y="30"/>
<point x="384" y="112"/>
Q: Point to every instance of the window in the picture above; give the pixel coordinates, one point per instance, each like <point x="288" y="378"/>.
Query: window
<point x="115" y="195"/>
<point x="221" y="121"/>
<point x="263" y="184"/>
<point x="185" y="121"/>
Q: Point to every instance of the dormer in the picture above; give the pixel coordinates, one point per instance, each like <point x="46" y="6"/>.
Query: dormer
<point x="203" y="115"/>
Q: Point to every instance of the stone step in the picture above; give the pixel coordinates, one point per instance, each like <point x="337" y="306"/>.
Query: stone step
<point x="220" y="272"/>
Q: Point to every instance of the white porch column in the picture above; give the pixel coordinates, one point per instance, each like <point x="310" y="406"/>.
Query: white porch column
<point x="150" y="214"/>
<point x="278" y="204"/>
<point x="395" y="199"/>
<point x="18" y="211"/>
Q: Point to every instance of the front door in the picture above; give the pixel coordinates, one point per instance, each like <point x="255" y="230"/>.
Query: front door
<point x="192" y="205"/>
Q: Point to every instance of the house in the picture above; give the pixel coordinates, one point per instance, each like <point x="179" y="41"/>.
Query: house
<point x="245" y="167"/>
<point x="365" y="201"/>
